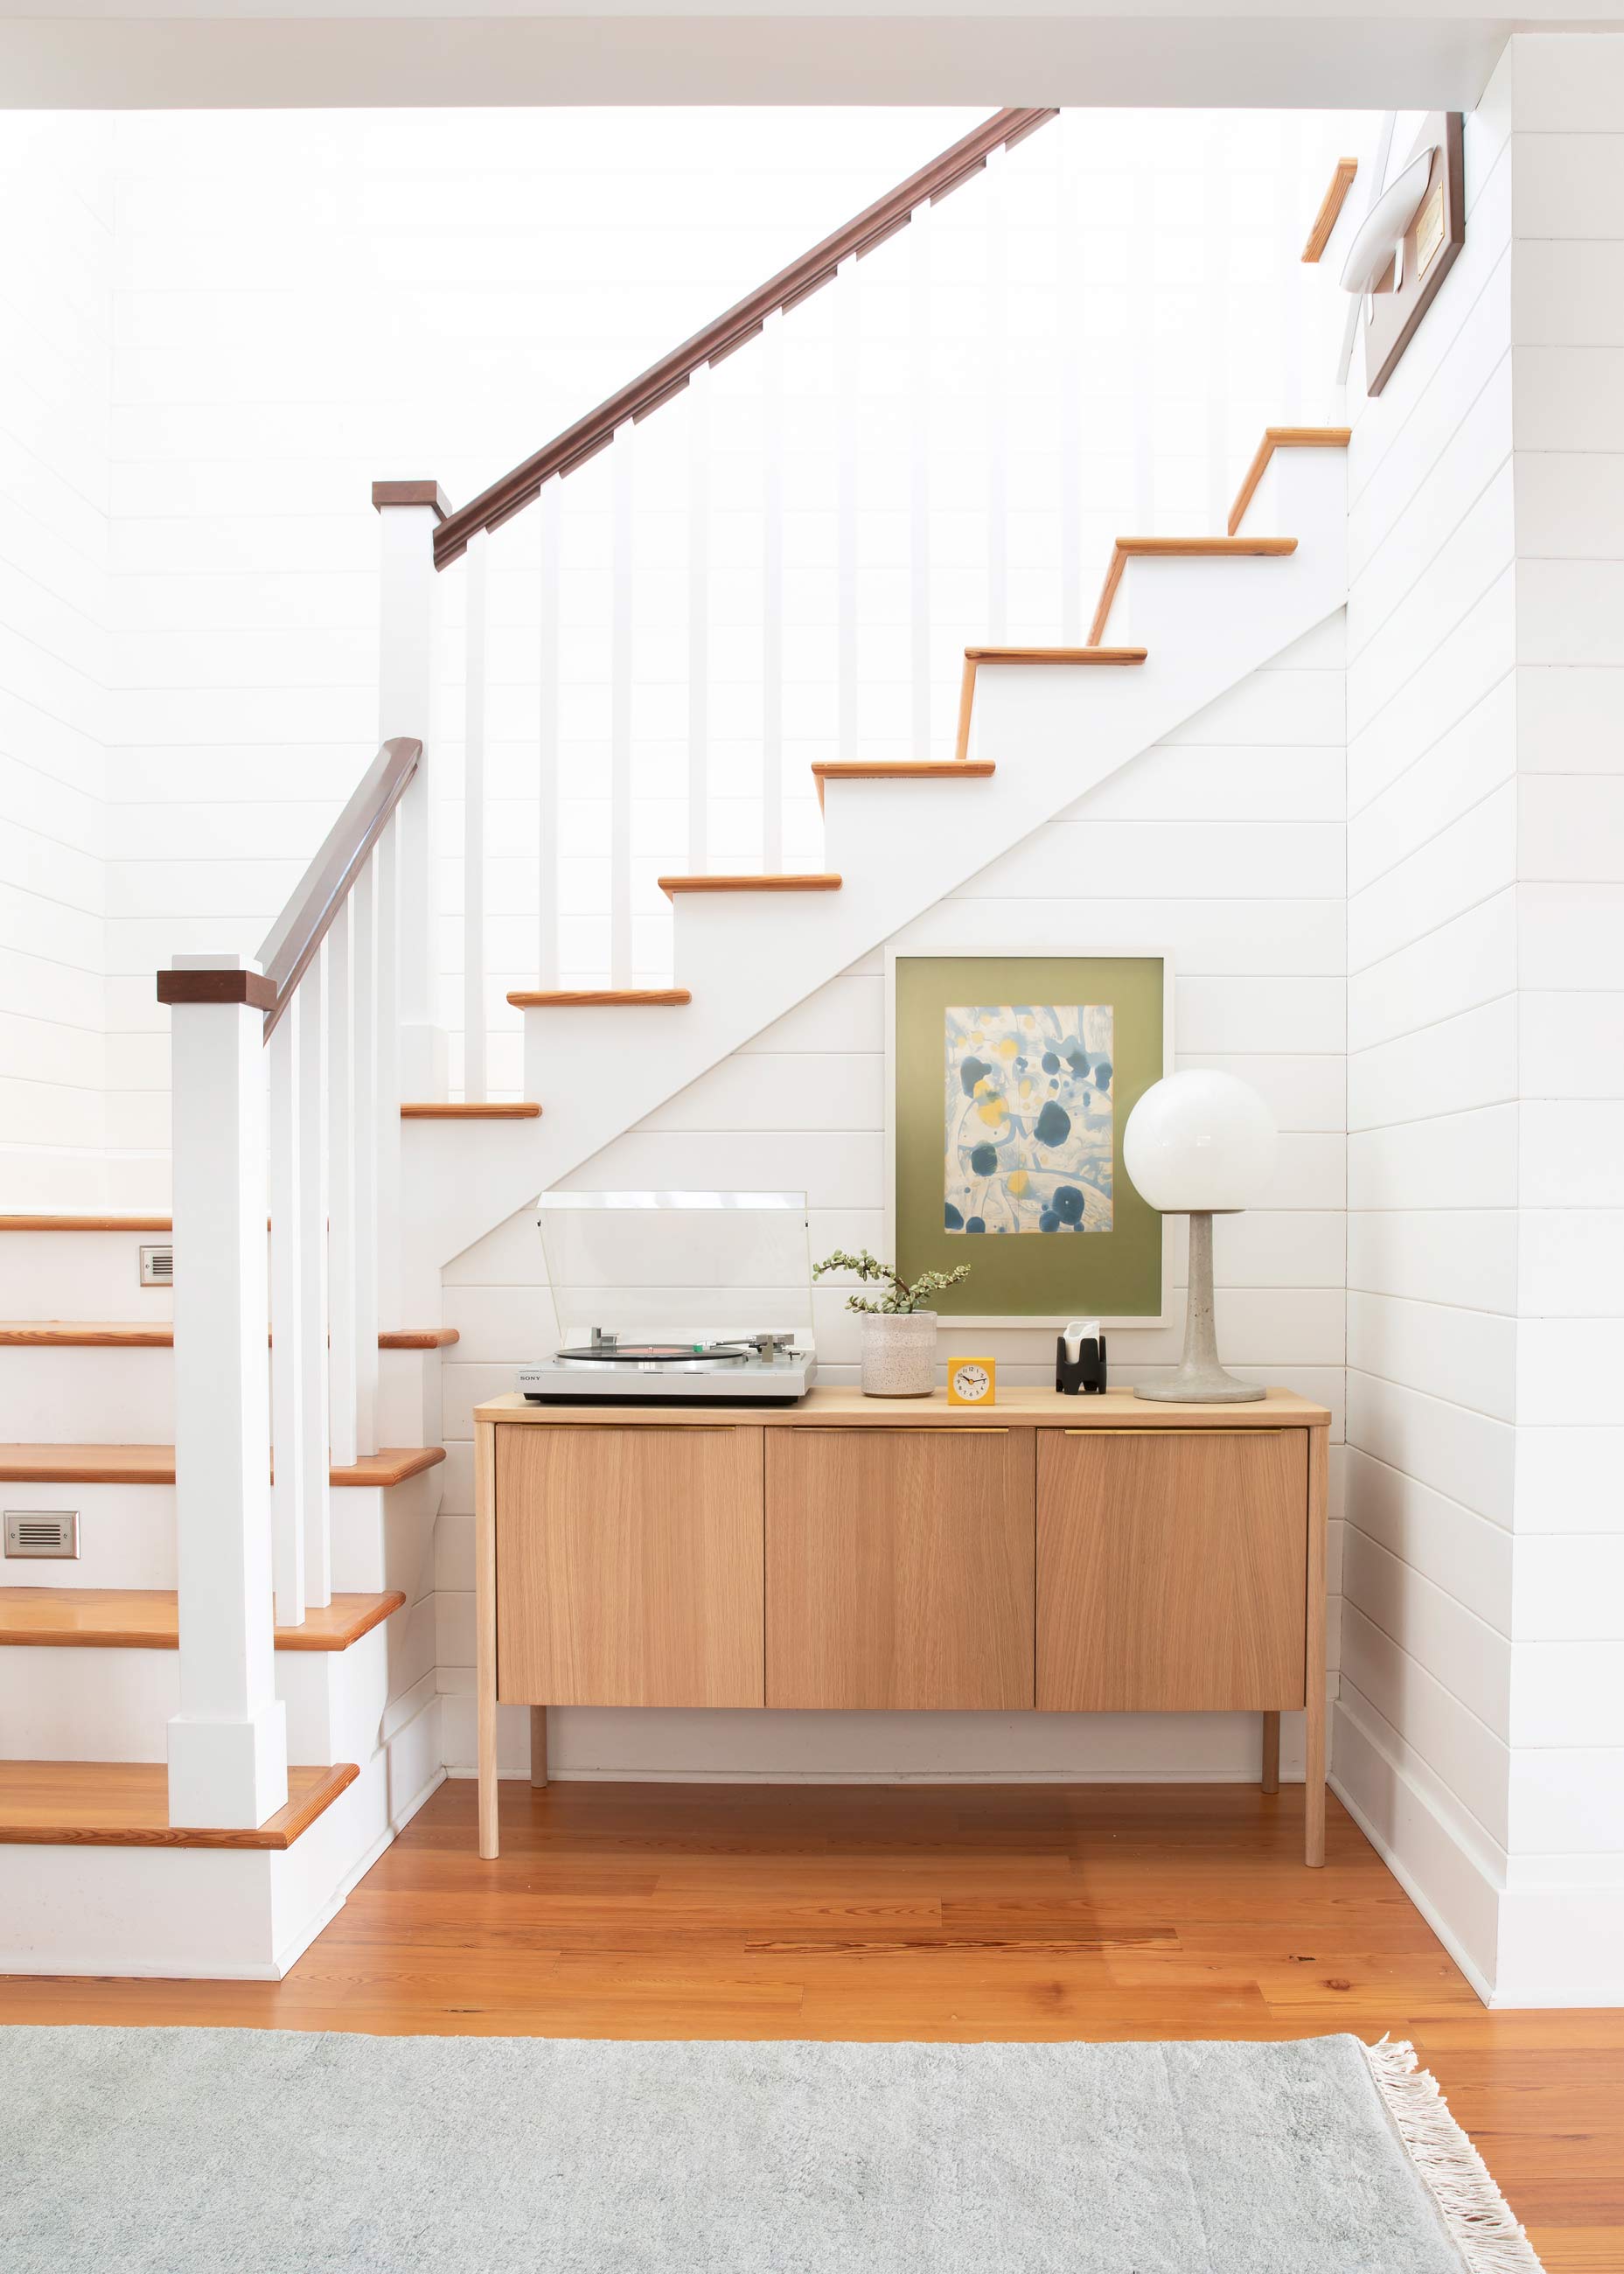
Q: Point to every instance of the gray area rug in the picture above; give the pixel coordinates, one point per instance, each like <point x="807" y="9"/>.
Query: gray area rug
<point x="215" y="2151"/>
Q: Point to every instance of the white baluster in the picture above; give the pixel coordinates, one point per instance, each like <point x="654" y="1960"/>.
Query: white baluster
<point x="341" y="1192"/>
<point x="847" y="345"/>
<point x="228" y="1751"/>
<point x="1069" y="301"/>
<point x="699" y="621"/>
<point x="621" y="450"/>
<point x="476" y="566"/>
<point x="547" y="960"/>
<point x="386" y="870"/>
<point x="772" y="594"/>
<point x="314" y="1453"/>
<point x="364" y="1189"/>
<point x="406" y="682"/>
<point x="287" y="1314"/>
<point x="918" y="481"/>
<point x="998" y="396"/>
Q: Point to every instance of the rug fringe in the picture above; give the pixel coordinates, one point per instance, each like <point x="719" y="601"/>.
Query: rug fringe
<point x="1477" y="2215"/>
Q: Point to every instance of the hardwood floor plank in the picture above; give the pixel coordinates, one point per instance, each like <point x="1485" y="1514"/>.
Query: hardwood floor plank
<point x="1005" y="1914"/>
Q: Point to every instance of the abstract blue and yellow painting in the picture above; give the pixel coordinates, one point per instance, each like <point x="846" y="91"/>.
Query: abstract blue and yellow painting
<point x="1029" y="1118"/>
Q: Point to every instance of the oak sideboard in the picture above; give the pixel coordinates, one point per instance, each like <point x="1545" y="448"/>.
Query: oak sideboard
<point x="1099" y="1555"/>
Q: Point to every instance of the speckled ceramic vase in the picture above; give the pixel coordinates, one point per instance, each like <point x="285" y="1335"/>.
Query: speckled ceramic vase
<point x="898" y="1353"/>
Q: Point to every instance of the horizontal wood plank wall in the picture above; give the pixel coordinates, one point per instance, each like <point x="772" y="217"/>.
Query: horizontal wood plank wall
<point x="1224" y="846"/>
<point x="53" y="618"/>
<point x="1433" y="1180"/>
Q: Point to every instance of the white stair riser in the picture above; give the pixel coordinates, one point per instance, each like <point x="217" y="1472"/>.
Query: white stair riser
<point x="115" y="1704"/>
<point x="381" y="1536"/>
<point x="1303" y="493"/>
<point x="78" y="1396"/>
<point x="126" y="1535"/>
<point x="80" y="1275"/>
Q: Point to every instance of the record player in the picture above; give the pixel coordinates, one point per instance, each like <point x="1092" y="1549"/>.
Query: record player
<point x="690" y="1298"/>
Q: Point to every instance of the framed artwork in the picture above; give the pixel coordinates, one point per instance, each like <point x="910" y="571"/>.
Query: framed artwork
<point x="1431" y="244"/>
<point x="1009" y="1078"/>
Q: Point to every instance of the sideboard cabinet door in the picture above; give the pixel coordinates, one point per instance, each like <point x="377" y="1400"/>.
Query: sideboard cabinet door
<point x="900" y="1567"/>
<point x="629" y="1564"/>
<point x="1172" y="1569"/>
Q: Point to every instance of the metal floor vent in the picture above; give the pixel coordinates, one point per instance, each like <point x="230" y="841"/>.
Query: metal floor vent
<point x="158" y="1266"/>
<point x="41" y="1531"/>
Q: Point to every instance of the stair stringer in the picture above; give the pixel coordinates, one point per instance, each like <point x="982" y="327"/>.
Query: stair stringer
<point x="1054" y="733"/>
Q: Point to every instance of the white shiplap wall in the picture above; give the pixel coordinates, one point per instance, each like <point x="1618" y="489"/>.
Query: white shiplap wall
<point x="1561" y="1933"/>
<point x="1423" y="1725"/>
<point x="1477" y="1732"/>
<point x="1223" y="847"/>
<point x="55" y="255"/>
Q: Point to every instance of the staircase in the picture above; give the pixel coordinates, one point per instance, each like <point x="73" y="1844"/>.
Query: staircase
<point x="241" y="1658"/>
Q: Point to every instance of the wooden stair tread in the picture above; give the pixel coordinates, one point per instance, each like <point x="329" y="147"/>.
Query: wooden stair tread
<point x="148" y="1618"/>
<point x="159" y="1333"/>
<point x="1179" y="548"/>
<point x="126" y="1804"/>
<point x="1207" y="548"/>
<point x="587" y="999"/>
<point x="819" y="882"/>
<point x="443" y="1110"/>
<point x="1055" y="654"/>
<point x="155" y="1464"/>
<point x="1283" y="438"/>
<point x="86" y="1224"/>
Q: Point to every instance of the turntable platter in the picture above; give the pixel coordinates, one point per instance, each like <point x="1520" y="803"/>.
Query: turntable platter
<point x="659" y="1354"/>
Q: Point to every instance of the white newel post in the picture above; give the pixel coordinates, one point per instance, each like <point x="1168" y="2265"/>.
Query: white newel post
<point x="227" y="1744"/>
<point x="288" y="1320"/>
<point x="408" y="513"/>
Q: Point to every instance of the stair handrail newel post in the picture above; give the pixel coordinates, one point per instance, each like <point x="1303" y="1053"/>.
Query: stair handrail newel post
<point x="282" y="1098"/>
<point x="228" y="1743"/>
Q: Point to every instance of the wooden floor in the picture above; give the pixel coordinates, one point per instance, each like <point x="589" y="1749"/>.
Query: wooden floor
<point x="1092" y="1911"/>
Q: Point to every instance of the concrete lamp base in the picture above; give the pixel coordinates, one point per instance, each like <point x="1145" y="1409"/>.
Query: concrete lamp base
<point x="1201" y="1380"/>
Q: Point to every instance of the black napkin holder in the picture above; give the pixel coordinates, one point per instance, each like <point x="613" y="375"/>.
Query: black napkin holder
<point x="1085" y="1376"/>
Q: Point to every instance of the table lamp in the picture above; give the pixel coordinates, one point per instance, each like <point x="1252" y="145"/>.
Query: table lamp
<point x="1199" y="1144"/>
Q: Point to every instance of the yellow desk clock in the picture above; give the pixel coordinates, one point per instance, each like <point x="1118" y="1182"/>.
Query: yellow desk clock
<point x="972" y="1382"/>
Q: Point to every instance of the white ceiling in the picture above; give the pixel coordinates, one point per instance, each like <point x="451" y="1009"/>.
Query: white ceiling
<point x="187" y="53"/>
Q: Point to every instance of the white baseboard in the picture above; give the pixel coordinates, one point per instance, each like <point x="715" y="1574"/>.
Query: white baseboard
<point x="464" y="1769"/>
<point x="1446" y="1882"/>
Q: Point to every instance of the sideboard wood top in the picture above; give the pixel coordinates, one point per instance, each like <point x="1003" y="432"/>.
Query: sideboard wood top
<point x="1015" y="1409"/>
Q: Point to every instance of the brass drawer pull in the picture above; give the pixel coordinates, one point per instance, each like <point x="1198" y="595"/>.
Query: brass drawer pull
<point x="1173" y="1429"/>
<point x="861" y="1429"/>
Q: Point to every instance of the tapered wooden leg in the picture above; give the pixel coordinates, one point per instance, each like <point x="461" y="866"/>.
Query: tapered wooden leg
<point x="485" y="1628"/>
<point x="1313" y="1771"/>
<point x="539" y="1744"/>
<point x="1271" y="1752"/>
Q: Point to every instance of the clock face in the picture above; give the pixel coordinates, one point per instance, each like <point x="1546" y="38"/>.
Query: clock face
<point x="970" y="1382"/>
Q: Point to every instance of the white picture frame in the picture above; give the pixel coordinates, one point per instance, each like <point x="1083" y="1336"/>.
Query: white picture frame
<point x="894" y="955"/>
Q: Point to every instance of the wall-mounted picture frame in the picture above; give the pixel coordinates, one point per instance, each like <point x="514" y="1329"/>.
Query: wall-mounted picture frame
<point x="1010" y="1075"/>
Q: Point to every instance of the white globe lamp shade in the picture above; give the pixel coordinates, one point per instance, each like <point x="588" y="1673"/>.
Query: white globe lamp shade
<point x="1199" y="1141"/>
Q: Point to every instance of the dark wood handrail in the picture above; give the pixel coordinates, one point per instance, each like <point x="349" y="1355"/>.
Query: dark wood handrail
<point x="668" y="377"/>
<point x="289" y="946"/>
